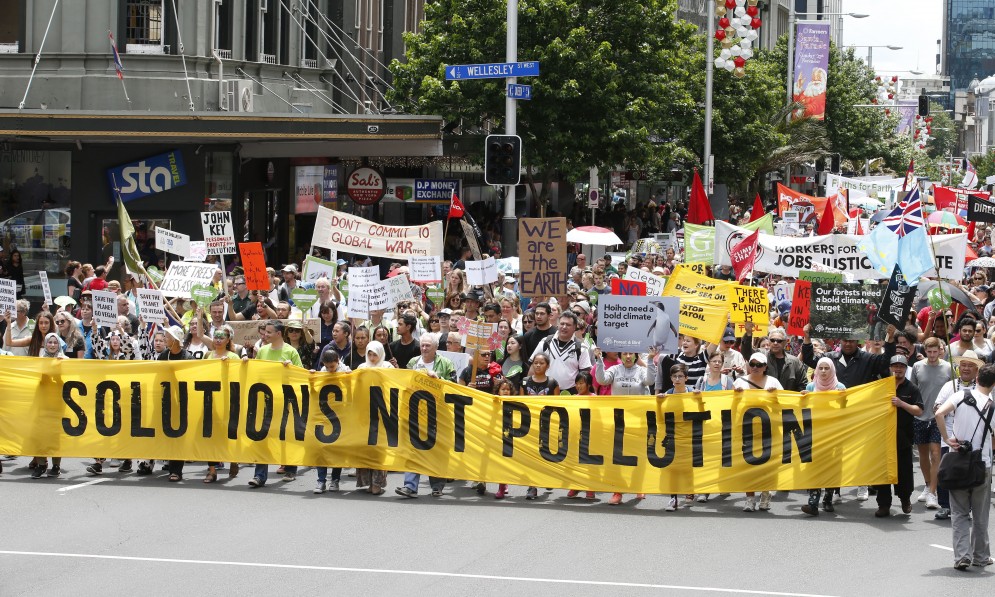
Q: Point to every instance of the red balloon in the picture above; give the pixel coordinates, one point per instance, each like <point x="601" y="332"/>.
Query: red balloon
<point x="878" y="78"/>
<point x="891" y="96"/>
<point x="894" y="79"/>
<point x="887" y="112"/>
<point x="752" y="11"/>
<point x="720" y="34"/>
<point x="739" y="61"/>
<point x="929" y="130"/>
<point x="731" y="4"/>
<point x="756" y="22"/>
<point x="874" y="100"/>
<point x="724" y="22"/>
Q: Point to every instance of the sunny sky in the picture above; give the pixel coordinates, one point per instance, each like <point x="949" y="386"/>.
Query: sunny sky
<point x="915" y="25"/>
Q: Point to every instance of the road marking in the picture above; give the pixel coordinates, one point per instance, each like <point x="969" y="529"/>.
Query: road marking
<point x="941" y="547"/>
<point x="603" y="583"/>
<point x="93" y="482"/>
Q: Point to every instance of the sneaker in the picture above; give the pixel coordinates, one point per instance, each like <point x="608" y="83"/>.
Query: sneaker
<point x="501" y="492"/>
<point x="702" y="498"/>
<point x="573" y="493"/>
<point x="289" y="477"/>
<point x="671" y="505"/>
<point x="145" y="468"/>
<point x="531" y="493"/>
<point x="281" y="470"/>
<point x="764" y="501"/>
<point x="942" y="514"/>
<point x="983" y="563"/>
<point x="590" y="496"/>
<point x="114" y="462"/>
<point x="125" y="467"/>
<point x="436" y="493"/>
<point x="39" y="472"/>
<point x="406" y="492"/>
<point x="256" y="482"/>
<point x="55" y="472"/>
<point x="480" y="488"/>
<point x="862" y="494"/>
<point x="931" y="503"/>
<point x="333" y="485"/>
<point x="925" y="494"/>
<point x="963" y="563"/>
<point x="837" y="497"/>
<point x="751" y="504"/>
<point x="95" y="469"/>
<point x="319" y="487"/>
<point x="688" y="500"/>
<point x="615" y="499"/>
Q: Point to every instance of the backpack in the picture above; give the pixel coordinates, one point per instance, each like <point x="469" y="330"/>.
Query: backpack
<point x="965" y="469"/>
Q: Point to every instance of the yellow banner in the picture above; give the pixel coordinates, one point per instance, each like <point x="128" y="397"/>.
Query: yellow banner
<point x="704" y="319"/>
<point x="685" y="282"/>
<point x="716" y="442"/>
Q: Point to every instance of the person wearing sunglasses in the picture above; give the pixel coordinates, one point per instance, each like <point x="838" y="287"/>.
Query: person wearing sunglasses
<point x="757" y="379"/>
<point x="787" y="368"/>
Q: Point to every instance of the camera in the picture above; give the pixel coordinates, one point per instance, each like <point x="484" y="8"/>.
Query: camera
<point x="965" y="446"/>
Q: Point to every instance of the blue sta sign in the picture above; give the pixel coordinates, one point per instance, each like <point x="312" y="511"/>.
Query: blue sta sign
<point x="440" y="189"/>
<point x="147" y="177"/>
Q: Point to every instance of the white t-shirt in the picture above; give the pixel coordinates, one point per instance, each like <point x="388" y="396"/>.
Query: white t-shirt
<point x="968" y="426"/>
<point x="770" y="383"/>
<point x="949" y="389"/>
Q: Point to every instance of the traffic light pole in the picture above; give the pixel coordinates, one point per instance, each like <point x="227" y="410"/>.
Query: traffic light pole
<point x="509" y="224"/>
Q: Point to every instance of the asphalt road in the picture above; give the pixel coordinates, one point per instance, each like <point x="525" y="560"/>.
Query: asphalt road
<point x="127" y="535"/>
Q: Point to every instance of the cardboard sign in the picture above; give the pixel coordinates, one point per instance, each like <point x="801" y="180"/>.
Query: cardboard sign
<point x="198" y="251"/>
<point x="8" y="297"/>
<point x="482" y="336"/>
<point x="622" y="287"/>
<point x="254" y="266"/>
<point x="304" y="298"/>
<point x="362" y="282"/>
<point x="347" y="233"/>
<point x="398" y="289"/>
<point x="173" y="242"/>
<point x="783" y="291"/>
<point x="800" y="308"/>
<point x="46" y="290"/>
<point x="316" y="267"/>
<point x="183" y="275"/>
<point x="104" y="307"/>
<point x="638" y="323"/>
<point x="542" y="250"/>
<point x="247" y="332"/>
<point x="150" y="305"/>
<point x="425" y="270"/>
<point x="749" y="303"/>
<point x="219" y="234"/>
<point x="481" y="273"/>
<point x="654" y="284"/>
<point x="845" y="311"/>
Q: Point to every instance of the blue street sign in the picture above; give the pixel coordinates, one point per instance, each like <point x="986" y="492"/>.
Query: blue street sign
<point x="435" y="189"/>
<point x="519" y="92"/>
<point x="499" y="70"/>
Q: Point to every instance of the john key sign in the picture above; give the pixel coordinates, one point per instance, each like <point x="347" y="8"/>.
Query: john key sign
<point x="218" y="232"/>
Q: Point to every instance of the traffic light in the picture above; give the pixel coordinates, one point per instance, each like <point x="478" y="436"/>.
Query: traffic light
<point x="923" y="104"/>
<point x="503" y="160"/>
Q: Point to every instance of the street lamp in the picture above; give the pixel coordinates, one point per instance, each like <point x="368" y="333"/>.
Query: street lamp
<point x="870" y="52"/>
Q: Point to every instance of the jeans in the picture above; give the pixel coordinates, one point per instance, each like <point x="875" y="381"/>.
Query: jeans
<point x="323" y="473"/>
<point x="906" y="480"/>
<point x="971" y="536"/>
<point x="262" y="471"/>
<point x="411" y="481"/>
<point x="942" y="495"/>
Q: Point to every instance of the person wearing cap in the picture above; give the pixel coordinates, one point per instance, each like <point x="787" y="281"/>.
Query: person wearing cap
<point x="786" y="367"/>
<point x="175" y="351"/>
<point x="757" y="379"/>
<point x="289" y="284"/>
<point x="908" y="401"/>
<point x="471" y="303"/>
<point x="967" y="365"/>
<point x="733" y="361"/>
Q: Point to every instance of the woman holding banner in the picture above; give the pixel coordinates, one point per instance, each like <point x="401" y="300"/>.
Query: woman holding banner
<point x="374" y="480"/>
<point x="757" y="379"/>
<point x="823" y="381"/>
<point x="51" y="348"/>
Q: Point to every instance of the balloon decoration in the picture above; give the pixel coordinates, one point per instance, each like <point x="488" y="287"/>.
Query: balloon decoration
<point x="938" y="298"/>
<point x="922" y="131"/>
<point x="736" y="33"/>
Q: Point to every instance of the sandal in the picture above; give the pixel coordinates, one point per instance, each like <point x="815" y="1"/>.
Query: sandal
<point x="233" y="470"/>
<point x="210" y="478"/>
<point x="174" y="478"/>
<point x="376" y="490"/>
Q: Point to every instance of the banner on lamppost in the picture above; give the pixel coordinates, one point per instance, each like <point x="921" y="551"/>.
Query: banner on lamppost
<point x="811" y="69"/>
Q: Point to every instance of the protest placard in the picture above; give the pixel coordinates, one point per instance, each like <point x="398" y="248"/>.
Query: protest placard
<point x="347" y="233"/>
<point x="104" y="307"/>
<point x="749" y="303"/>
<point x="8" y="297"/>
<point x="482" y="336"/>
<point x="46" y="290"/>
<point x="219" y="234"/>
<point x="203" y="295"/>
<point x="628" y="287"/>
<point x="686" y="283"/>
<point x="461" y="360"/>
<point x="254" y="266"/>
<point x="820" y="277"/>
<point x="198" y="251"/>
<point x="980" y="209"/>
<point x="247" y="332"/>
<point x="398" y="289"/>
<point x="704" y="319"/>
<point x="435" y="294"/>
<point x="481" y="273"/>
<point x="378" y="297"/>
<point x="150" y="305"/>
<point x="654" y="284"/>
<point x="183" y="275"/>
<point x="666" y="240"/>
<point x="171" y="241"/>
<point x="426" y="270"/>
<point x="362" y="282"/>
<point x="783" y="291"/>
<point x="801" y="303"/>
<point x="844" y="310"/>
<point x="638" y="323"/>
<point x="542" y="250"/>
<point x="316" y="267"/>
<point x="304" y="298"/>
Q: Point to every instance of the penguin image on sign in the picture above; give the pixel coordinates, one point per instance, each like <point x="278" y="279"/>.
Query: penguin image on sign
<point x="663" y="333"/>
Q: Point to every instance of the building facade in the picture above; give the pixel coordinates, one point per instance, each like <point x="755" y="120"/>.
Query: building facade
<point x="968" y="41"/>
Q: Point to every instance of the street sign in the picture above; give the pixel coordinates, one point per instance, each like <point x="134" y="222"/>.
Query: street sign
<point x="519" y="92"/>
<point x="435" y="189"/>
<point x="498" y="70"/>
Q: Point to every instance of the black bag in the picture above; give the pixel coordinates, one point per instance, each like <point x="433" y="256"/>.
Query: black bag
<point x="965" y="468"/>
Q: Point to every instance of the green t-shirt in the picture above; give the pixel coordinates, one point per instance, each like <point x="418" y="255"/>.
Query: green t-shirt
<point x="285" y="353"/>
<point x="442" y="366"/>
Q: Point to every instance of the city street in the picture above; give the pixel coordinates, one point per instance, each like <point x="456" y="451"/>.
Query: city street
<point x="121" y="534"/>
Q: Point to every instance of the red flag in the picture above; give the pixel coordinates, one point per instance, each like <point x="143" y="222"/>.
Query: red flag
<point x="860" y="227"/>
<point x="744" y="255"/>
<point x="700" y="210"/>
<point x="909" y="175"/>
<point x="455" y="206"/>
<point x="758" y="209"/>
<point x="828" y="220"/>
<point x="970" y="231"/>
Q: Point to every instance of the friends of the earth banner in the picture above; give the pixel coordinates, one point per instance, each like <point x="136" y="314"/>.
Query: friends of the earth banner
<point x="714" y="442"/>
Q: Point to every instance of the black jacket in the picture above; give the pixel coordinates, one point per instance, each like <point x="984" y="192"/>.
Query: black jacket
<point x="857" y="369"/>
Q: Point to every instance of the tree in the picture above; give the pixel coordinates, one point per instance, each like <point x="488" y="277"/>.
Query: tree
<point x="612" y="91"/>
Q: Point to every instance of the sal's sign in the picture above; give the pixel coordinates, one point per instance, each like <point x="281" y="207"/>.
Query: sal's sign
<point x="366" y="186"/>
<point x="147" y="177"/>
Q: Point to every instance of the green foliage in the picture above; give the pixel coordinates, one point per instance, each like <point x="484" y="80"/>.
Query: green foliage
<point x="984" y="165"/>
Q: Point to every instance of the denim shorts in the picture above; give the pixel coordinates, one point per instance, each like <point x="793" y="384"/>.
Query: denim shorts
<point x="925" y="432"/>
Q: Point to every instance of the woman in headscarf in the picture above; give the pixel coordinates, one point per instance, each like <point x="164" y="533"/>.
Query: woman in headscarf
<point x="824" y="380"/>
<point x="376" y="480"/>
<point x="51" y="348"/>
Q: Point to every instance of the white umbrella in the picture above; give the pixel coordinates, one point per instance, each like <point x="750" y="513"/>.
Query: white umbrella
<point x="593" y="235"/>
<point x="868" y="203"/>
<point x="982" y="262"/>
<point x="508" y="265"/>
